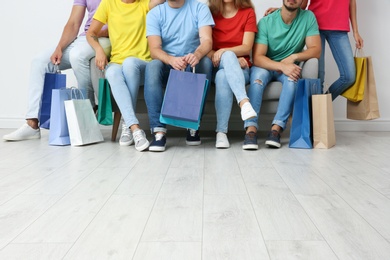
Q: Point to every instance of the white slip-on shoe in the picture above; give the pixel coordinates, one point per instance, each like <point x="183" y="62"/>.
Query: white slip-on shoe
<point x="25" y="132"/>
<point x="222" y="141"/>
<point x="247" y="111"/>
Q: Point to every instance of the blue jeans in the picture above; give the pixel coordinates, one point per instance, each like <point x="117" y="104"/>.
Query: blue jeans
<point x="76" y="56"/>
<point x="342" y="53"/>
<point x="125" y="80"/>
<point x="229" y="79"/>
<point x="156" y="77"/>
<point x="259" y="79"/>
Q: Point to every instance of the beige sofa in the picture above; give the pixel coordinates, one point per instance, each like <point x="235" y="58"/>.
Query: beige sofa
<point x="267" y="112"/>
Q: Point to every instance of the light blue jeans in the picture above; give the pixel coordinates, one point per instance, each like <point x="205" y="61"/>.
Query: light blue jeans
<point x="156" y="77"/>
<point x="229" y="79"/>
<point x="342" y="53"/>
<point x="259" y="79"/>
<point x="76" y="56"/>
<point x="125" y="80"/>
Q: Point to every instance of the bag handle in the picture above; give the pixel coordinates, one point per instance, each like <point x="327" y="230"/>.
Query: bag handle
<point x="359" y="52"/>
<point x="73" y="93"/>
<point x="193" y="70"/>
<point x="103" y="73"/>
<point x="56" y="69"/>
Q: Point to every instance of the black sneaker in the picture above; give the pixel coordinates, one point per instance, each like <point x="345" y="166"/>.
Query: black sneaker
<point x="250" y="142"/>
<point x="273" y="139"/>
<point x="193" y="137"/>
<point x="158" y="143"/>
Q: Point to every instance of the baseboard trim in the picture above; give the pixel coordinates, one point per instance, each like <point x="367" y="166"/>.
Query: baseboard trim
<point x="237" y="125"/>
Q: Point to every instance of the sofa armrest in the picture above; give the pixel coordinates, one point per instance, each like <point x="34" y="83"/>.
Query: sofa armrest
<point x="310" y="69"/>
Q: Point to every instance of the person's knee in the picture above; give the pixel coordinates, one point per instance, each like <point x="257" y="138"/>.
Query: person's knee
<point x="228" y="55"/>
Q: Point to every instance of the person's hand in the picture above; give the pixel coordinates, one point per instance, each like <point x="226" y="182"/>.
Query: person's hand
<point x="178" y="63"/>
<point x="358" y="40"/>
<point x="101" y="60"/>
<point x="270" y="10"/>
<point x="191" y="59"/>
<point x="216" y="58"/>
<point x="243" y="63"/>
<point x="56" y="56"/>
<point x="292" y="71"/>
<point x="290" y="59"/>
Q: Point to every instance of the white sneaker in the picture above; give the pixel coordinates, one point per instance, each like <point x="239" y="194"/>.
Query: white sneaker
<point x="126" y="136"/>
<point x="247" y="111"/>
<point x="222" y="141"/>
<point x="25" y="132"/>
<point x="141" y="143"/>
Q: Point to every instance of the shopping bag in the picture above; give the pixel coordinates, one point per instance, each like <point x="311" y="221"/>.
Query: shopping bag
<point x="53" y="80"/>
<point x="368" y="108"/>
<point x="184" y="96"/>
<point x="185" y="123"/>
<point x="59" y="134"/>
<point x="301" y="128"/>
<point x="82" y="124"/>
<point x="324" y="134"/>
<point x="105" y="107"/>
<point x="355" y="92"/>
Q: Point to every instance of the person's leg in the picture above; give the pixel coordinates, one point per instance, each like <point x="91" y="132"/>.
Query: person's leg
<point x="321" y="61"/>
<point x="156" y="75"/>
<point x="223" y="101"/>
<point x="285" y="107"/>
<point x="259" y="79"/>
<point x="80" y="57"/>
<point x="342" y="52"/>
<point x="286" y="101"/>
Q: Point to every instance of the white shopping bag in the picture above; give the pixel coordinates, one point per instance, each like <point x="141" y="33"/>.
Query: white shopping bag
<point x="82" y="123"/>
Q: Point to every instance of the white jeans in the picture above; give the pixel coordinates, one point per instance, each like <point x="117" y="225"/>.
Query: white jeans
<point x="76" y="56"/>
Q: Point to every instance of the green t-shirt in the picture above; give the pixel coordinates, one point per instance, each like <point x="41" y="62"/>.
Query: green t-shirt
<point x="285" y="39"/>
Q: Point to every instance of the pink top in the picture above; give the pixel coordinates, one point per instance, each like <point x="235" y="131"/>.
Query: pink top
<point x="331" y="14"/>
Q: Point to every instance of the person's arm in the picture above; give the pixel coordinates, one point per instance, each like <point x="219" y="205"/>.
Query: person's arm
<point x="304" y="4"/>
<point x="353" y="18"/>
<point x="153" y="3"/>
<point x="260" y="59"/>
<point x="156" y="52"/>
<point x="206" y="44"/>
<point x="69" y="33"/>
<point x="270" y="10"/>
<point x="241" y="50"/>
<point x="93" y="40"/>
<point x="313" y="50"/>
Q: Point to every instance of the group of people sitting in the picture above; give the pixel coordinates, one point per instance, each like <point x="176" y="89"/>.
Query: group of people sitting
<point x="137" y="42"/>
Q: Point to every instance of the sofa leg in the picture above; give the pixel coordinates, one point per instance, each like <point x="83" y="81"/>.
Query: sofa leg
<point x="115" y="126"/>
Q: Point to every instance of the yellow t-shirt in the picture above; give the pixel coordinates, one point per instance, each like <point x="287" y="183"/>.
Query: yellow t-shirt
<point x="126" y="28"/>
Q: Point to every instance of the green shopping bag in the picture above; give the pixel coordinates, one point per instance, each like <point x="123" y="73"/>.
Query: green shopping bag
<point x="104" y="115"/>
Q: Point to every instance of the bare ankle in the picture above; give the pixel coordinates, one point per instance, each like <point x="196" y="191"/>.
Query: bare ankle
<point x="32" y="122"/>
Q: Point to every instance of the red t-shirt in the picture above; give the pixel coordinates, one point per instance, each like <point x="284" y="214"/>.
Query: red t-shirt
<point x="229" y="32"/>
<point x="331" y="14"/>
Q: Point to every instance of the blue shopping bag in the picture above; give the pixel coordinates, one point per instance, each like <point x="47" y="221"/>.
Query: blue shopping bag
<point x="301" y="133"/>
<point x="184" y="107"/>
<point x="184" y="95"/>
<point x="53" y="80"/>
<point x="59" y="133"/>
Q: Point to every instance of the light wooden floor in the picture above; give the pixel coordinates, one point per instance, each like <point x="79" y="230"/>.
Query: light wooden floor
<point x="104" y="201"/>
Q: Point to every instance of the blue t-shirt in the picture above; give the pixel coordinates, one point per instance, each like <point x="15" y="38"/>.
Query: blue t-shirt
<point x="178" y="27"/>
<point x="285" y="39"/>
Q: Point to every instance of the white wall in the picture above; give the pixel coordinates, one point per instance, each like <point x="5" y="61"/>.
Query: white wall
<point x="32" y="26"/>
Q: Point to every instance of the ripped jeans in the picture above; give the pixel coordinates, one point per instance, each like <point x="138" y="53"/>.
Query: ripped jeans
<point x="259" y="79"/>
